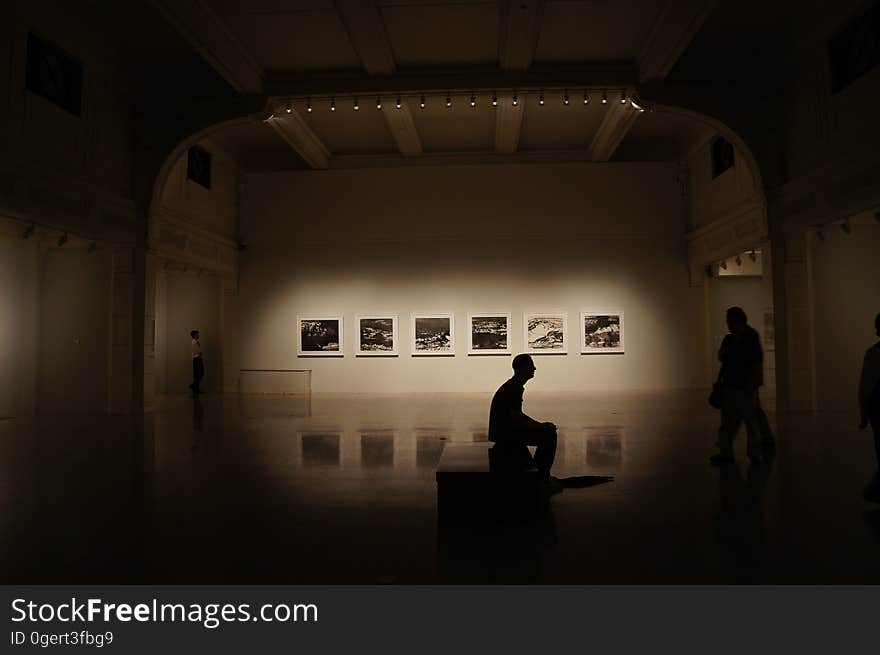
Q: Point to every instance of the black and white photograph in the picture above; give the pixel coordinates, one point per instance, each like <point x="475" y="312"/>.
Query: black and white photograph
<point x="489" y="333"/>
<point x="319" y="336"/>
<point x="544" y="333"/>
<point x="377" y="335"/>
<point x="433" y="334"/>
<point x="601" y="332"/>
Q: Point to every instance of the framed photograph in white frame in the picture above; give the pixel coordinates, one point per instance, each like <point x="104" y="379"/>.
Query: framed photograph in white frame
<point x="319" y="336"/>
<point x="432" y="335"/>
<point x="545" y="333"/>
<point x="489" y="333"/>
<point x="601" y="332"/>
<point x="377" y="335"/>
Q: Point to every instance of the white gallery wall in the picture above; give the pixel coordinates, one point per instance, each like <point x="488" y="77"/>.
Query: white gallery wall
<point x="469" y="239"/>
<point x="846" y="298"/>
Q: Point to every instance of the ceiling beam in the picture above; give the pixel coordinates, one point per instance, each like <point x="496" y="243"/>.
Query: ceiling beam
<point x="518" y="32"/>
<point x="672" y="32"/>
<point x="296" y="132"/>
<point x="602" y="76"/>
<point x="616" y="123"/>
<point x="367" y="33"/>
<point x="674" y="28"/>
<point x="205" y="32"/>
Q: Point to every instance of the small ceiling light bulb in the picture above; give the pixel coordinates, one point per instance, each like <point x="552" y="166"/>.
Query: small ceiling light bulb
<point x="623" y="97"/>
<point x="541" y="99"/>
<point x="288" y="108"/>
<point x="739" y="260"/>
<point x="473" y="101"/>
<point x="356" y="105"/>
<point x="565" y="98"/>
<point x="515" y="100"/>
<point x="604" y="97"/>
<point x="397" y="104"/>
<point x="448" y="101"/>
<point x="378" y="102"/>
<point x="494" y="99"/>
<point x="636" y="105"/>
<point x="586" y="98"/>
<point x="332" y="104"/>
<point x="422" y="102"/>
<point x="309" y="105"/>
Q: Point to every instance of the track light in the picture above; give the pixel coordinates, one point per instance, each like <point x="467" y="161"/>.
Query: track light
<point x="29" y="231"/>
<point x="565" y="98"/>
<point x="724" y="265"/>
<point x="636" y="105"/>
<point x="623" y="97"/>
<point x="397" y="104"/>
<point x="846" y="227"/>
<point x="604" y="97"/>
<point x="309" y="105"/>
<point x="753" y="256"/>
<point x="541" y="99"/>
<point x="332" y="104"/>
<point x="739" y="260"/>
<point x="473" y="101"/>
<point x="820" y="234"/>
<point x="378" y="102"/>
<point x="422" y="102"/>
<point x="494" y="99"/>
<point x="515" y="100"/>
<point x="448" y="101"/>
<point x="356" y="105"/>
<point x="586" y="98"/>
<point x="92" y="247"/>
<point x="288" y="108"/>
<point x="62" y="240"/>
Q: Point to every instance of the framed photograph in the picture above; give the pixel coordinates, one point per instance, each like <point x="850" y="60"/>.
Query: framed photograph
<point x="601" y="332"/>
<point x="489" y="333"/>
<point x="319" y="336"/>
<point x="377" y="335"/>
<point x="433" y="334"/>
<point x="544" y="333"/>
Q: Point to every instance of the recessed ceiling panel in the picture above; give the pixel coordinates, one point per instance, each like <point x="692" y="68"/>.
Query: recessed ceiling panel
<point x="595" y="30"/>
<point x="350" y="132"/>
<point x="442" y="34"/>
<point x="460" y="128"/>
<point x="258" y="148"/>
<point x="658" y="137"/>
<point x="557" y="126"/>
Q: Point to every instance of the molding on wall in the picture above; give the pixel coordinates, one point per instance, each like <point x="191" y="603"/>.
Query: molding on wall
<point x="739" y="229"/>
<point x="172" y="239"/>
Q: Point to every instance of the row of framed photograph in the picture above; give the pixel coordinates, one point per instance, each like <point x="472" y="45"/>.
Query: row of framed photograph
<point x="489" y="333"/>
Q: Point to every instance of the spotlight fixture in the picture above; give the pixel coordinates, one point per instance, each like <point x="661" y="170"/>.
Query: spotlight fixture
<point x="753" y="256"/>
<point x="378" y="102"/>
<point x="565" y="98"/>
<point x="846" y="227"/>
<point x="309" y="105"/>
<point x="515" y="100"/>
<point x="739" y="260"/>
<point x="636" y="105"/>
<point x="586" y="98"/>
<point x="723" y="264"/>
<point x="494" y="99"/>
<point x="92" y="247"/>
<point x="288" y="108"/>
<point x="604" y="97"/>
<point x="332" y="104"/>
<point x="623" y="97"/>
<point x="473" y="101"/>
<point x="541" y="99"/>
<point x="820" y="234"/>
<point x="356" y="105"/>
<point x="397" y="104"/>
<point x="422" y="102"/>
<point x="448" y="101"/>
<point x="62" y="240"/>
<point x="29" y="231"/>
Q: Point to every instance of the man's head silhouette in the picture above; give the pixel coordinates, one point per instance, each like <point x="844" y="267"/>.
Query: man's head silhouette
<point x="736" y="319"/>
<point x="523" y="367"/>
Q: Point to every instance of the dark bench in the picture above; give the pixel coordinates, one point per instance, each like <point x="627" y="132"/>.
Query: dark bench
<point x="468" y="487"/>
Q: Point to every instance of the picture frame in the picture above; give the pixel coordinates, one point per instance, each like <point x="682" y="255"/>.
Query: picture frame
<point x="602" y="332"/>
<point x="432" y="335"/>
<point x="489" y="333"/>
<point x="320" y="336"/>
<point x="545" y="333"/>
<point x="377" y="335"/>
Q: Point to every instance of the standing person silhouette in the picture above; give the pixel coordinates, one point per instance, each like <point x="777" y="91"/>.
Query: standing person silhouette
<point x="513" y="431"/>
<point x="741" y="375"/>
<point x="198" y="364"/>
<point x="869" y="405"/>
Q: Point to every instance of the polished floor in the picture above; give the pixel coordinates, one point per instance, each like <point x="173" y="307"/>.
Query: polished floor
<point x="340" y="489"/>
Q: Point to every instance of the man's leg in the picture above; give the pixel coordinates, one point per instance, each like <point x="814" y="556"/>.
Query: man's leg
<point x="198" y="373"/>
<point x="768" y="440"/>
<point x="731" y="419"/>
<point x="749" y="412"/>
<point x="545" y="450"/>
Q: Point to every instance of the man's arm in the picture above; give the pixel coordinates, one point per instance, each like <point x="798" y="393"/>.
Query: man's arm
<point x="521" y="421"/>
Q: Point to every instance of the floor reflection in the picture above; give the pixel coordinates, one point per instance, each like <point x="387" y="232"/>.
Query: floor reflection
<point x="320" y="449"/>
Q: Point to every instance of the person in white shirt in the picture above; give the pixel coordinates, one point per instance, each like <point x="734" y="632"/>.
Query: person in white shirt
<point x="869" y="404"/>
<point x="198" y="364"/>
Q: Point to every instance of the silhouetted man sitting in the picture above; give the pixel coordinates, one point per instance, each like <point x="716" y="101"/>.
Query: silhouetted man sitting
<point x="512" y="431"/>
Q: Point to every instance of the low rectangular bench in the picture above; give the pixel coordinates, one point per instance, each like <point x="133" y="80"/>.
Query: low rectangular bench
<point x="466" y="485"/>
